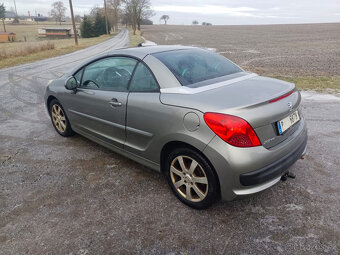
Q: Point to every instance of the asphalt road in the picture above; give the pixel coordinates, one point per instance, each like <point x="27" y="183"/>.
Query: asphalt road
<point x="71" y="196"/>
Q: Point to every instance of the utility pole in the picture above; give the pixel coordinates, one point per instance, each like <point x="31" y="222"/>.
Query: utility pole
<point x="74" y="24"/>
<point x="106" y="24"/>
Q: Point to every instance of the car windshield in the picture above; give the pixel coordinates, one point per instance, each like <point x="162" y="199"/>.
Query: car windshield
<point x="191" y="66"/>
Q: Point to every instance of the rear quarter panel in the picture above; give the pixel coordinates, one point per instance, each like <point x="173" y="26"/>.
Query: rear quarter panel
<point x="150" y="125"/>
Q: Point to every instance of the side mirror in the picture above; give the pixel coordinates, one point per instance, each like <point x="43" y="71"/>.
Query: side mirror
<point x="71" y="83"/>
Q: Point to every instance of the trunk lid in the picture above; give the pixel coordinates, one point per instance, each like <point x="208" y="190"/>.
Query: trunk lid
<point x="248" y="99"/>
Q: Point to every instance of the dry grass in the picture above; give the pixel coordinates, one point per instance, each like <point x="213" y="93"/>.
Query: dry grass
<point x="26" y="49"/>
<point x="135" y="39"/>
<point x="317" y="83"/>
<point x="29" y="47"/>
<point x="29" y="32"/>
<point x="61" y="47"/>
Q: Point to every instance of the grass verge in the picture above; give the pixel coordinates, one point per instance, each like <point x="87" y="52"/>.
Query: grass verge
<point x="135" y="39"/>
<point x="26" y="49"/>
<point x="63" y="46"/>
<point x="317" y="83"/>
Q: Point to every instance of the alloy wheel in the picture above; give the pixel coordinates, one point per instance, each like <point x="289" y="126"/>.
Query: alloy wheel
<point x="58" y="118"/>
<point x="189" y="178"/>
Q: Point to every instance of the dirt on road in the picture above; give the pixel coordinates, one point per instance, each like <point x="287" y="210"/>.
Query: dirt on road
<point x="71" y="196"/>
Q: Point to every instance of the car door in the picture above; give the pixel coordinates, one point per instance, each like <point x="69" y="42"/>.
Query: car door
<point x="142" y="111"/>
<point x="98" y="107"/>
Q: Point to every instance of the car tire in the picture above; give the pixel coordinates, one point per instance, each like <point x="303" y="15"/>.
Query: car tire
<point x="191" y="178"/>
<point x="59" y="119"/>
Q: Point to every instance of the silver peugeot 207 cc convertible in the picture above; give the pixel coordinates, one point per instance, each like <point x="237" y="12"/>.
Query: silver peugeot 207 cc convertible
<point x="214" y="130"/>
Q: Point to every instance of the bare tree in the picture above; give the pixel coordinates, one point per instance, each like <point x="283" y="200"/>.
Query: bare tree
<point x="195" y="22"/>
<point x="77" y="18"/>
<point x="135" y="11"/>
<point x="3" y="15"/>
<point x="95" y="10"/>
<point x="58" y="11"/>
<point x="125" y="18"/>
<point x="144" y="11"/>
<point x="130" y="13"/>
<point x="165" y="18"/>
<point x="114" y="6"/>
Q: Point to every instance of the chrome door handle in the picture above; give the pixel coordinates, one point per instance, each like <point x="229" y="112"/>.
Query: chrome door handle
<point x="115" y="103"/>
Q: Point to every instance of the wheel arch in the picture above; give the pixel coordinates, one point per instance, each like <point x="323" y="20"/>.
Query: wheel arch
<point x="168" y="147"/>
<point x="48" y="102"/>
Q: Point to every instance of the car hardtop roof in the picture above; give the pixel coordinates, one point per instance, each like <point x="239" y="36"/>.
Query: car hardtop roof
<point x="143" y="51"/>
<point x="138" y="52"/>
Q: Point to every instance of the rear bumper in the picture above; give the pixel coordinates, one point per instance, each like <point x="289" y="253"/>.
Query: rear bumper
<point x="245" y="171"/>
<point x="275" y="169"/>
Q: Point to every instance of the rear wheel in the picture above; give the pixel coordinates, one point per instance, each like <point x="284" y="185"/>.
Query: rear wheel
<point x="191" y="178"/>
<point x="59" y="119"/>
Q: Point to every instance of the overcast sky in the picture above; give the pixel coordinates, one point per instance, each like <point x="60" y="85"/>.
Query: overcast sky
<point x="228" y="12"/>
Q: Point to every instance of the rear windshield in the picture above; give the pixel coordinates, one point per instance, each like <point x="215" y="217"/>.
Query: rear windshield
<point x="196" y="65"/>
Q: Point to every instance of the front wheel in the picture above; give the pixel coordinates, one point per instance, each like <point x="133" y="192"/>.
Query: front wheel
<point x="191" y="178"/>
<point x="59" y="119"/>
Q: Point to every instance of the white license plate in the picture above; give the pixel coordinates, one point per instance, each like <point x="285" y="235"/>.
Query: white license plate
<point x="287" y="122"/>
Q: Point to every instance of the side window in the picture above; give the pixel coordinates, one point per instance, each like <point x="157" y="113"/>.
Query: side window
<point x="78" y="76"/>
<point x="143" y="80"/>
<point x="111" y="73"/>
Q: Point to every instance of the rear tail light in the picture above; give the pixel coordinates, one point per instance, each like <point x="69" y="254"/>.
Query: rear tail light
<point x="232" y="129"/>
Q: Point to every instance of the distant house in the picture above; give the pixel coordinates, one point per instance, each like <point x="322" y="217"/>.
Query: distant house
<point x="7" y="37"/>
<point x="40" y="18"/>
<point x="26" y="18"/>
<point x="54" y="32"/>
<point x="9" y="16"/>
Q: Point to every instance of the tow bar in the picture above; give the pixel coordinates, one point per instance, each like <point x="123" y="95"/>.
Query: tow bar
<point x="287" y="175"/>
